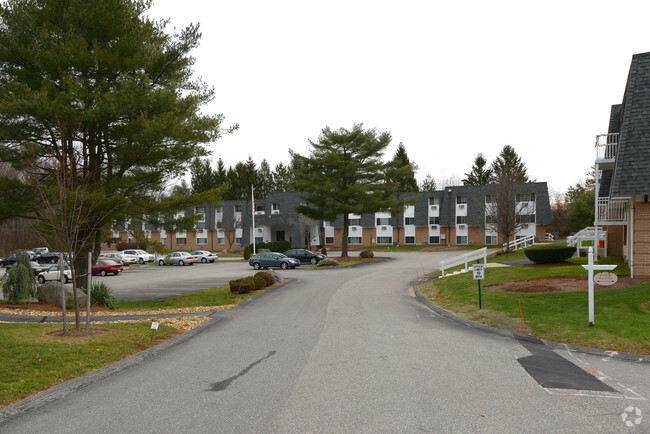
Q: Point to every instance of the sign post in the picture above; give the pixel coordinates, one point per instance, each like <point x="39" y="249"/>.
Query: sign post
<point x="479" y="274"/>
<point x="590" y="267"/>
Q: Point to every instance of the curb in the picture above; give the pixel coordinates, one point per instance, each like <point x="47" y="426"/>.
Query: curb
<point x="640" y="358"/>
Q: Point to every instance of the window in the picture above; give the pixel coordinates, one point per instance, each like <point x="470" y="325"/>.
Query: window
<point x="383" y="221"/>
<point x="163" y="240"/>
<point x="220" y="210"/>
<point x="434" y="200"/>
<point x="384" y="240"/>
<point x="409" y="221"/>
<point x="238" y="240"/>
<point x="526" y="197"/>
<point x="202" y="241"/>
<point x="221" y="240"/>
<point x="354" y="240"/>
<point x="490" y="219"/>
<point x="434" y="220"/>
<point x="461" y="219"/>
<point x="355" y="222"/>
<point x="409" y="240"/>
<point x="490" y="199"/>
<point x="275" y="208"/>
<point x="259" y="239"/>
<point x="461" y="239"/>
<point x="259" y="207"/>
<point x="329" y="240"/>
<point x="181" y="241"/>
<point x="237" y="208"/>
<point x="525" y="218"/>
<point x="461" y="199"/>
<point x="491" y="240"/>
<point x="434" y="240"/>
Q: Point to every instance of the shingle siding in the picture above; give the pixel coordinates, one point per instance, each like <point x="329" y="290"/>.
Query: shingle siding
<point x="631" y="170"/>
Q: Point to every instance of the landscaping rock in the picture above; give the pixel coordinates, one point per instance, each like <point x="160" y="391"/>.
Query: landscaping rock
<point x="366" y="254"/>
<point x="50" y="292"/>
<point x="329" y="262"/>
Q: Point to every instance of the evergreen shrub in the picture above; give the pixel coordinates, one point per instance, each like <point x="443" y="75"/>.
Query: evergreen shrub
<point x="549" y="255"/>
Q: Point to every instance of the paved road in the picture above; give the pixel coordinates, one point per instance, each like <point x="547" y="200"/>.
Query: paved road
<point x="352" y="351"/>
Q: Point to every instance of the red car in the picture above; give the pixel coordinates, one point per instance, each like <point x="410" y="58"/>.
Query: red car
<point x="106" y="266"/>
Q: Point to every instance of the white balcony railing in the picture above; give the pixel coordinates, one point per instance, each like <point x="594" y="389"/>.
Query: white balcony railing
<point x="611" y="211"/>
<point x="606" y="146"/>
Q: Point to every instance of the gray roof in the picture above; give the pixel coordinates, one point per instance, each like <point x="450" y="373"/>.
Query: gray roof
<point x="632" y="170"/>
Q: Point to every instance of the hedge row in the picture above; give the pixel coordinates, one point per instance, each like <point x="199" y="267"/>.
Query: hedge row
<point x="260" y="280"/>
<point x="548" y="255"/>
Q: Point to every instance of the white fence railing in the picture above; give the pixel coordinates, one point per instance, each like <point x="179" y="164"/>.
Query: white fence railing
<point x="611" y="211"/>
<point x="606" y="146"/>
<point x="521" y="242"/>
<point x="587" y="234"/>
<point x="466" y="258"/>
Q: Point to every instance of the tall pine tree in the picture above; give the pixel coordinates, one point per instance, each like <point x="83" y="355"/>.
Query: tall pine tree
<point x="344" y="174"/>
<point x="479" y="175"/>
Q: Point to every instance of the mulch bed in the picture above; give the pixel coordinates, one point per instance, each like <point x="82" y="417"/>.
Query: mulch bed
<point x="561" y="283"/>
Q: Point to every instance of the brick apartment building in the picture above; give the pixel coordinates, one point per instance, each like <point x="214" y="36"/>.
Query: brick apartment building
<point x="454" y="216"/>
<point x="623" y="172"/>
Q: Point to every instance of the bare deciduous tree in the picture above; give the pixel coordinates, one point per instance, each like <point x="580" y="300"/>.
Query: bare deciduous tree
<point x="504" y="213"/>
<point x="230" y="222"/>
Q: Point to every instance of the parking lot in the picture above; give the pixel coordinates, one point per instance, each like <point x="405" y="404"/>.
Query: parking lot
<point x="153" y="281"/>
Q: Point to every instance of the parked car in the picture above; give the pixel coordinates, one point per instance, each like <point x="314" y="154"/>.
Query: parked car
<point x="205" y="256"/>
<point x="38" y="268"/>
<point x="306" y="256"/>
<point x="141" y="255"/>
<point x="107" y="266"/>
<point x="54" y="274"/>
<point x="40" y="250"/>
<point x="48" y="258"/>
<point x="178" y="258"/>
<point x="9" y="261"/>
<point x="121" y="258"/>
<point x="273" y="259"/>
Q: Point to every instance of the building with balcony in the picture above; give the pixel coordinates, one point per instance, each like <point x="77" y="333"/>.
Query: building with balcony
<point x="454" y="216"/>
<point x="623" y="172"/>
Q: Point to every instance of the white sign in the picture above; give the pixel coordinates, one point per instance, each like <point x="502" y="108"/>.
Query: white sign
<point x="605" y="278"/>
<point x="479" y="271"/>
<point x="154" y="326"/>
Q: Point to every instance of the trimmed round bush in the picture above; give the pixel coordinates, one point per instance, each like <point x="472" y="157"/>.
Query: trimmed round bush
<point x="247" y="253"/>
<point x="549" y="255"/>
<point x="323" y="251"/>
<point x="267" y="277"/>
<point x="243" y="286"/>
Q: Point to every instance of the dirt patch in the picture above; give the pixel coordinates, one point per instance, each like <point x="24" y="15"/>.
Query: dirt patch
<point x="561" y="283"/>
<point x="83" y="333"/>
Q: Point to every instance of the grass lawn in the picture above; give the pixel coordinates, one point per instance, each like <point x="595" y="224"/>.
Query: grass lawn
<point x="622" y="316"/>
<point x="32" y="360"/>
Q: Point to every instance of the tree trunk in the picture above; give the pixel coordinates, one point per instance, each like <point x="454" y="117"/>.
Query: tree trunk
<point x="344" y="241"/>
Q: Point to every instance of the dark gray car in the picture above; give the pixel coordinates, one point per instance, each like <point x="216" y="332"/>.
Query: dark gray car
<point x="304" y="255"/>
<point x="273" y="259"/>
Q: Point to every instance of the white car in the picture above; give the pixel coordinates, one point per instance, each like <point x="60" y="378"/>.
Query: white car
<point x="205" y="256"/>
<point x="53" y="273"/>
<point x="141" y="255"/>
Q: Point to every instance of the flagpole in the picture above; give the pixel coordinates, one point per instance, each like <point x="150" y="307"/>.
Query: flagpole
<point x="253" y="206"/>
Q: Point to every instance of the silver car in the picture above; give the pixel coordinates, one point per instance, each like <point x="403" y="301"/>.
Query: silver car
<point x="120" y="258"/>
<point x="205" y="256"/>
<point x="178" y="258"/>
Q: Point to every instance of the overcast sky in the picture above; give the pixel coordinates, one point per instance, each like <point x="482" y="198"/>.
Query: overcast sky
<point x="448" y="79"/>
